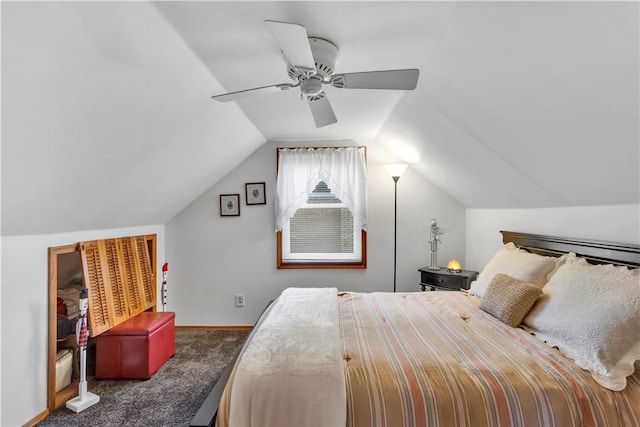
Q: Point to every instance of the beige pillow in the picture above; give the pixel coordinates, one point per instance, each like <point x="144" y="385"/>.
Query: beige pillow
<point x="509" y="299"/>
<point x="592" y="314"/>
<point x="517" y="263"/>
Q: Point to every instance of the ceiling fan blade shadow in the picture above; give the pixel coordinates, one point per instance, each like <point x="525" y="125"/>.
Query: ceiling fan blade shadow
<point x="294" y="44"/>
<point x="389" y="79"/>
<point x="233" y="96"/>
<point x="321" y="110"/>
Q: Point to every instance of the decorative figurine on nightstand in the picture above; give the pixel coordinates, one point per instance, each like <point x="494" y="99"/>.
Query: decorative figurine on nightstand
<point x="434" y="232"/>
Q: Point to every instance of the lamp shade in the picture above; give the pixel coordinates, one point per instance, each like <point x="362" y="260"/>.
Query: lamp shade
<point x="396" y="169"/>
<point x="454" y="266"/>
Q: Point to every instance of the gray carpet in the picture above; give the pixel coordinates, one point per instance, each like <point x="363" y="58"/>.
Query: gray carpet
<point x="171" y="397"/>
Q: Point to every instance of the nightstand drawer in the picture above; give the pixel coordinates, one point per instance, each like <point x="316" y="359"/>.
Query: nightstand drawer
<point x="449" y="282"/>
<point x="443" y="279"/>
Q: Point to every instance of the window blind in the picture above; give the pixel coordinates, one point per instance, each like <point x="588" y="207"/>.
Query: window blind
<point x="320" y="226"/>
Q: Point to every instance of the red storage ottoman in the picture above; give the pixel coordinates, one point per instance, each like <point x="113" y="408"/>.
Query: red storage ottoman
<point x="136" y="348"/>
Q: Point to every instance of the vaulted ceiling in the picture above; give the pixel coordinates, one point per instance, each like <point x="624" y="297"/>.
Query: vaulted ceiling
<point x="107" y="119"/>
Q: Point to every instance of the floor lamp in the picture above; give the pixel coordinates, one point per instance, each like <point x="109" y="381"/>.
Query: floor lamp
<point x="395" y="170"/>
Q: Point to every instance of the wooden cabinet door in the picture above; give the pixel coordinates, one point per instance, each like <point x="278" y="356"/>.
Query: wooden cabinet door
<point x="119" y="301"/>
<point x="146" y="272"/>
<point x="95" y="277"/>
<point x="120" y="278"/>
<point x="131" y="266"/>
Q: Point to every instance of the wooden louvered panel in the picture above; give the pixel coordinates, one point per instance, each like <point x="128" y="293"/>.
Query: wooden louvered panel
<point x="146" y="273"/>
<point x="120" y="277"/>
<point x="94" y="280"/>
<point x="118" y="303"/>
<point x="131" y="272"/>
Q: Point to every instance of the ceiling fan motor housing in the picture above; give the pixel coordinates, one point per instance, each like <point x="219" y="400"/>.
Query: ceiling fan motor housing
<point x="325" y="55"/>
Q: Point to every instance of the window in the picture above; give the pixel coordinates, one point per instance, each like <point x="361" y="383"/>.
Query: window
<point x="321" y="207"/>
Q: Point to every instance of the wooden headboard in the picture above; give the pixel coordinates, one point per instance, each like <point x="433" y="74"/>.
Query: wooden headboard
<point x="595" y="251"/>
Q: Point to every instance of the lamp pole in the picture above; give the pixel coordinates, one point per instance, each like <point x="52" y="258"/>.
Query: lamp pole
<point x="395" y="170"/>
<point x="395" y="227"/>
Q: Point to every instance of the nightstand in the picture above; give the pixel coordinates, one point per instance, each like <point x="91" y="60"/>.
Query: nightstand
<point x="444" y="280"/>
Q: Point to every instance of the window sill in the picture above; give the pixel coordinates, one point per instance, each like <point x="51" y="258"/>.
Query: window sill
<point x="284" y="265"/>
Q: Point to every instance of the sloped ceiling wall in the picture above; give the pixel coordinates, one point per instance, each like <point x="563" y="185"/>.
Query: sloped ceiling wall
<point x="528" y="104"/>
<point x="107" y="120"/>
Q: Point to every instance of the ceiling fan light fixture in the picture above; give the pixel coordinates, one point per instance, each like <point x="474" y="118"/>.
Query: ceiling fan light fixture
<point x="311" y="86"/>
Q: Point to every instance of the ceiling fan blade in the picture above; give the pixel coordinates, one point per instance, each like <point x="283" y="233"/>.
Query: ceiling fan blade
<point x="294" y="44"/>
<point x="389" y="79"/>
<point x="233" y="96"/>
<point x="321" y="110"/>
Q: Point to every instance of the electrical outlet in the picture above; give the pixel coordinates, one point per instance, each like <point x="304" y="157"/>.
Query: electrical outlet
<point x="239" y="300"/>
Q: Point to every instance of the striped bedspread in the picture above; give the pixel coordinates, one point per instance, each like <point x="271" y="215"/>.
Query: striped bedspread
<point x="435" y="359"/>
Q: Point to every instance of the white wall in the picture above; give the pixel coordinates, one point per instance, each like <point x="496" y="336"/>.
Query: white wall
<point x="211" y="258"/>
<point x="25" y="273"/>
<point x="618" y="223"/>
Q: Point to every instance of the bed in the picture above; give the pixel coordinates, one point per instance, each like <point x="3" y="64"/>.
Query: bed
<point x="329" y="358"/>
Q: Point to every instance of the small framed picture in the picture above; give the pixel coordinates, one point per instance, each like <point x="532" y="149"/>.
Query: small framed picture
<point x="229" y="205"/>
<point x="254" y="192"/>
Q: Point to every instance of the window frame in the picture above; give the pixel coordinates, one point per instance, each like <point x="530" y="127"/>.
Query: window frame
<point x="362" y="264"/>
<point x="281" y="263"/>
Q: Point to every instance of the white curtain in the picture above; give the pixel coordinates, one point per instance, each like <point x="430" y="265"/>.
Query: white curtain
<point x="343" y="169"/>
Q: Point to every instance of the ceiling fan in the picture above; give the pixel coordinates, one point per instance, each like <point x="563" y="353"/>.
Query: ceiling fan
<point x="311" y="63"/>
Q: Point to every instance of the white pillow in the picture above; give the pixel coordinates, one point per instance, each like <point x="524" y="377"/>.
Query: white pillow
<point x="591" y="313"/>
<point x="517" y="263"/>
